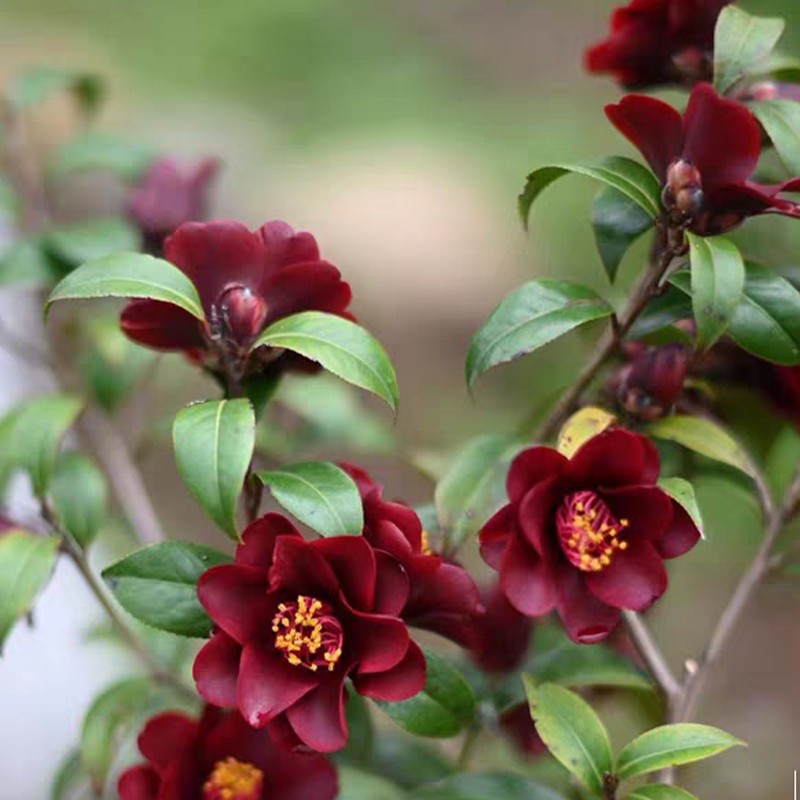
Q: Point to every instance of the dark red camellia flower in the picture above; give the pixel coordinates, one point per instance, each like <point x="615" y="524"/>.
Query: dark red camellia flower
<point x="586" y="535"/>
<point x="220" y="757"/>
<point x="658" y="41"/>
<point x="443" y="597"/>
<point x="502" y="634"/>
<point x="246" y="280"/>
<point x="704" y="159"/>
<point x="294" y="620"/>
<point x="168" y="195"/>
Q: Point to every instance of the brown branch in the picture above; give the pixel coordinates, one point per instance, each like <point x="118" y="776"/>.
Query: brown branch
<point x="653" y="657"/>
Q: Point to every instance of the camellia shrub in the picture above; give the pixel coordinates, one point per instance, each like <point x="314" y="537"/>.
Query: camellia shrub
<point x="320" y="652"/>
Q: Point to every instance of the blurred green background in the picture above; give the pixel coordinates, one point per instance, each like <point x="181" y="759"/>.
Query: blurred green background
<point x="400" y="134"/>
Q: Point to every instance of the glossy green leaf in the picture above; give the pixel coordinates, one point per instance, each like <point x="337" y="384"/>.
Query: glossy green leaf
<point x="355" y="784"/>
<point x="36" y="84"/>
<point x="658" y="791"/>
<point x="703" y="436"/>
<point x="158" y="586"/>
<point x="572" y="732"/>
<point x="671" y="745"/>
<point x="473" y="488"/>
<point x="781" y="121"/>
<point x="26" y="563"/>
<point x="486" y="786"/>
<point x="341" y="346"/>
<point x="628" y="177"/>
<point x="129" y="275"/>
<point x="531" y="316"/>
<point x="86" y="241"/>
<point x="26" y="264"/>
<point x="682" y="492"/>
<point x="213" y="444"/>
<point x="445" y="706"/>
<point x="618" y="222"/>
<point x="740" y="42"/>
<point x="320" y="494"/>
<point x="717" y="272"/>
<point x="69" y="776"/>
<point x="107" y="717"/>
<point x="79" y="495"/>
<point x="662" y="312"/>
<point x="104" y="153"/>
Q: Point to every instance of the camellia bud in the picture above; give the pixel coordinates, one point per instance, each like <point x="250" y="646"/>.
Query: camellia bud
<point x="652" y="383"/>
<point x="684" y="189"/>
<point x="243" y="313"/>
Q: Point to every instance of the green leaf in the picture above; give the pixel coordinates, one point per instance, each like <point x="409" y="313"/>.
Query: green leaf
<point x="26" y="562"/>
<point x="671" y="745"/>
<point x="705" y="437"/>
<point x="572" y="732"/>
<point x="360" y="731"/>
<point x="93" y="151"/>
<point x="740" y="42"/>
<point x="618" y="222"/>
<point x="717" y="284"/>
<point x="782" y="460"/>
<point x="658" y="791"/>
<point x="25" y="263"/>
<point x="214" y="443"/>
<point x="87" y="241"/>
<point x="32" y="438"/>
<point x="158" y="586"/>
<point x="129" y="275"/>
<point x="320" y="494"/>
<point x="408" y="761"/>
<point x="37" y="83"/>
<point x="104" y="721"/>
<point x="445" y="706"/>
<point x="682" y="492"/>
<point x="69" y="775"/>
<point x="341" y="346"/>
<point x="486" y="786"/>
<point x="473" y="487"/>
<point x="79" y="495"/>
<point x="781" y="121"/>
<point x="628" y="177"/>
<point x="531" y="316"/>
<point x="663" y="311"/>
<point x="357" y="785"/>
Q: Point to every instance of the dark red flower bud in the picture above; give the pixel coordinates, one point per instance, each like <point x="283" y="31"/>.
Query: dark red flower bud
<point x="652" y="383"/>
<point x="242" y="313"/>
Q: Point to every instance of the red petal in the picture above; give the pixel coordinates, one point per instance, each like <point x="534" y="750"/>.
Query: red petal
<point x="167" y="737"/>
<point x="258" y="540"/>
<point x="313" y="286"/>
<point x="681" y="536"/>
<point x="319" y="718"/>
<point x="399" y="683"/>
<point x="652" y="461"/>
<point x="391" y="585"/>
<point x="530" y="467"/>
<point x="353" y="561"/>
<point x="652" y="126"/>
<point x="536" y="516"/>
<point x="648" y="510"/>
<point x="586" y="619"/>
<point x="527" y="580"/>
<point x="236" y="599"/>
<point x="139" y="783"/>
<point x="376" y="643"/>
<point x="283" y="245"/>
<point x="162" y="326"/>
<point x="216" y="670"/>
<point x="495" y="535"/>
<point x="299" y="568"/>
<point x="613" y="458"/>
<point x="635" y="579"/>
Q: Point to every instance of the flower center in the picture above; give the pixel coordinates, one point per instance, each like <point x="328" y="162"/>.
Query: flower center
<point x="242" y="313"/>
<point x="233" y="780"/>
<point x="308" y="633"/>
<point x="425" y="544"/>
<point x="588" y="531"/>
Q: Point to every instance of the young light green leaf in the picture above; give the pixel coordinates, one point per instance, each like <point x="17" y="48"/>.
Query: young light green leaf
<point x="717" y="271"/>
<point x="618" y="222"/>
<point x="740" y="42"/>
<point x="320" y="494"/>
<point x="705" y="437"/>
<point x="68" y="777"/>
<point x="531" y="316"/>
<point x="102" y="152"/>
<point x="572" y="732"/>
<point x="79" y="494"/>
<point x="341" y="346"/>
<point x="781" y="121"/>
<point x="36" y="84"/>
<point x="660" y="791"/>
<point x="355" y="784"/>
<point x="671" y="745"/>
<point x="626" y="176"/>
<point x="129" y="275"/>
<point x="26" y="562"/>
<point x="581" y="427"/>
<point x="213" y="444"/>
<point x="86" y="241"/>
<point x="445" y="706"/>
<point x="682" y="492"/>
<point x="158" y="586"/>
<point x="486" y="786"/>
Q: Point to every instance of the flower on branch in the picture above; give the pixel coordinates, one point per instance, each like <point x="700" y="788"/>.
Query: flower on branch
<point x="586" y="535"/>
<point x="704" y="159"/>
<point x="294" y="619"/>
<point x="220" y="757"/>
<point x="654" y="42"/>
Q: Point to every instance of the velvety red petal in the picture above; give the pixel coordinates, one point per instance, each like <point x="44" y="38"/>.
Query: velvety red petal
<point x="379" y="512"/>
<point x="530" y="467"/>
<point x="385" y="535"/>
<point x="283" y="245"/>
<point x="353" y="562"/>
<point x="652" y="126"/>
<point x="319" y="718"/>
<point x="586" y="619"/>
<point x="216" y="670"/>
<point x="634" y="580"/>
<point x="527" y="580"/>
<point x="502" y="634"/>
<point x="614" y="457"/>
<point x="235" y="597"/>
<point x="167" y="737"/>
<point x="652" y="461"/>
<point x="376" y="643"/>
<point x="139" y="783"/>
<point x="391" y="586"/>
<point x="258" y="540"/>
<point x="720" y="137"/>
<point x="299" y="568"/>
<point x="681" y="535"/>
<point x="647" y="509"/>
<point x="161" y="326"/>
<point x="399" y="683"/>
<point x="312" y="286"/>
<point x="495" y="535"/>
<point x="536" y="516"/>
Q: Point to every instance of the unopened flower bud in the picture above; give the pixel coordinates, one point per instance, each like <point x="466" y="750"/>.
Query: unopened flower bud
<point x="652" y="383"/>
<point x="243" y="313"/>
<point x="684" y="189"/>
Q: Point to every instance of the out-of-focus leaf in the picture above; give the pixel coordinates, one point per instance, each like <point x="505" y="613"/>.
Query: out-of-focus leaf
<point x="581" y="427"/>
<point x="79" y="495"/>
<point x="68" y="777"/>
<point x="25" y="264"/>
<point x="357" y="785"/>
<point x="36" y="84"/>
<point x="781" y="121"/>
<point x="657" y="791"/>
<point x="782" y="460"/>
<point x="682" y="492"/>
<point x="78" y="243"/>
<point x="408" y="761"/>
<point x="486" y="786"/>
<point x="105" y="153"/>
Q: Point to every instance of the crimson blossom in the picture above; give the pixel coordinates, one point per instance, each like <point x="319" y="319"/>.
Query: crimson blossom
<point x="294" y="620"/>
<point x="443" y="597"/>
<point x="220" y="757"/>
<point x="586" y="535"/>
<point x="704" y="160"/>
<point x="654" y="42"/>
<point x="246" y="280"/>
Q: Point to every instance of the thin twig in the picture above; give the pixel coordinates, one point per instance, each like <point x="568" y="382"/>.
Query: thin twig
<point x="653" y="657"/>
<point x="468" y="746"/>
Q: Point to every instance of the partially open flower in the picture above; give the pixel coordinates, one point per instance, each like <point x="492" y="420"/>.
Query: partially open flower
<point x="652" y="382"/>
<point x="220" y="757"/>
<point x="295" y="619"/>
<point x="586" y="535"/>
<point x="703" y="159"/>
<point x="654" y="42"/>
<point x="246" y="280"/>
<point x="443" y="597"/>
